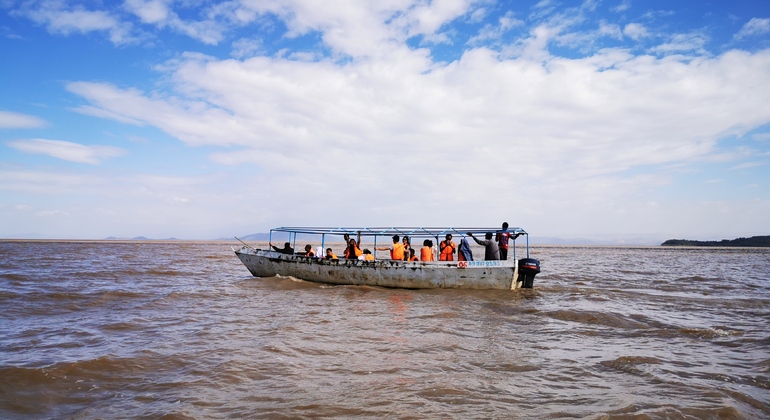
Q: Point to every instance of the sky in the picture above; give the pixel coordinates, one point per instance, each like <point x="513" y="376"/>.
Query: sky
<point x="625" y="120"/>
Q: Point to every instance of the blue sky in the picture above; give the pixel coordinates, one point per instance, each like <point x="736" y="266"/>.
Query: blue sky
<point x="617" y="120"/>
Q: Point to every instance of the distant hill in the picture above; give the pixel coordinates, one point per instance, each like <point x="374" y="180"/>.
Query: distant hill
<point x="136" y="238"/>
<point x="754" y="241"/>
<point x="256" y="237"/>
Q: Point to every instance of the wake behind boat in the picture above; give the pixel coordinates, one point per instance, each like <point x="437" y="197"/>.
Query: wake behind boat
<point x="462" y="271"/>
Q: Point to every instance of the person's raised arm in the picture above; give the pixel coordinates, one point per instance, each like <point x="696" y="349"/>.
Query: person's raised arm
<point x="475" y="239"/>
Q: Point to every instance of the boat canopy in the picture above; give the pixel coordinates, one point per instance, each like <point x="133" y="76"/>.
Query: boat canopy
<point x="437" y="233"/>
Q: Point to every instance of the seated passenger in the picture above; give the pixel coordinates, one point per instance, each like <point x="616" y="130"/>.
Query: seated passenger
<point x="287" y="249"/>
<point x="309" y="251"/>
<point x="426" y="252"/>
<point x="330" y="255"/>
<point x="352" y="252"/>
<point x="407" y="247"/>
<point x="367" y="255"/>
<point x="412" y="257"/>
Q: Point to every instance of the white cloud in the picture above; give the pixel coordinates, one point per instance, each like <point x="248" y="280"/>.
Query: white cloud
<point x="622" y="7"/>
<point x="383" y="128"/>
<point x="747" y="165"/>
<point x="47" y="183"/>
<point x="681" y="43"/>
<point x="756" y="26"/>
<point x="66" y="150"/>
<point x="496" y="124"/>
<point x="635" y="31"/>
<point x="149" y="11"/>
<point x="495" y="32"/>
<point x="610" y="30"/>
<point x="245" y="47"/>
<point x="58" y="18"/>
<point x="17" y="120"/>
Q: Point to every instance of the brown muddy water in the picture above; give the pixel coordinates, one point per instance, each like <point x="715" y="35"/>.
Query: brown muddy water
<point x="181" y="330"/>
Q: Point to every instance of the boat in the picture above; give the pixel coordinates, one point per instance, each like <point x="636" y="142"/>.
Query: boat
<point x="382" y="271"/>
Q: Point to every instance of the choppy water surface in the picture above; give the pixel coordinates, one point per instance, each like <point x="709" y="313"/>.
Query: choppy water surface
<point x="181" y="330"/>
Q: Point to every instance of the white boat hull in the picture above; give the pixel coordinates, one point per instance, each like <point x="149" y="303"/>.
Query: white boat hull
<point x="384" y="273"/>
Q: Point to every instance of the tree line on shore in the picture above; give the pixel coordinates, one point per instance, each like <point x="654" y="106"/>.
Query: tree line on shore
<point x="754" y="241"/>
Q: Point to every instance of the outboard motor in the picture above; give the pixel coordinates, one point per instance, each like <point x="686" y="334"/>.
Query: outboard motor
<point x="528" y="268"/>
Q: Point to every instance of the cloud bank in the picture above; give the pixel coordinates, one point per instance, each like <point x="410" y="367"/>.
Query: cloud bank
<point x="368" y="126"/>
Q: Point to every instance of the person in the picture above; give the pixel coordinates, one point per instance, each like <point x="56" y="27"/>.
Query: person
<point x="464" y="253"/>
<point x="491" y="250"/>
<point x="330" y="255"/>
<point x="447" y="249"/>
<point x="426" y="252"/>
<point x="502" y="237"/>
<point x="407" y="247"/>
<point x="367" y="255"/>
<point x="352" y="252"/>
<point x="287" y="249"/>
<point x="396" y="250"/>
<point x="412" y="256"/>
<point x="309" y="251"/>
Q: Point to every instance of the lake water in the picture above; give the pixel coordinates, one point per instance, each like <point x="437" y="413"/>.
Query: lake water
<point x="181" y="330"/>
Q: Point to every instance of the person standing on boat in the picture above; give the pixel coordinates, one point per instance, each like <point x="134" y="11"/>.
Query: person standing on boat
<point x="426" y="252"/>
<point x="396" y="250"/>
<point x="503" y="236"/>
<point x="491" y="250"/>
<point x="287" y="249"/>
<point x="447" y="249"/>
<point x="407" y="247"/>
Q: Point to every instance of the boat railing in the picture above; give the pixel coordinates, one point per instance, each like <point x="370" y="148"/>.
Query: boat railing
<point x="436" y="233"/>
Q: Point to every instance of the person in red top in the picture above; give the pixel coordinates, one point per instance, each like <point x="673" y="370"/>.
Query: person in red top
<point x="447" y="248"/>
<point x="502" y="237"/>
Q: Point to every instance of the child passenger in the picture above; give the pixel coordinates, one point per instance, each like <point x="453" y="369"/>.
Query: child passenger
<point x="367" y="255"/>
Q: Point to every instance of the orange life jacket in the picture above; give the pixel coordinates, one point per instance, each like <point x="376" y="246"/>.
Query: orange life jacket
<point x="358" y="252"/>
<point x="369" y="257"/>
<point x="397" y="253"/>
<point x="414" y="258"/>
<point x="447" y="251"/>
<point x="426" y="254"/>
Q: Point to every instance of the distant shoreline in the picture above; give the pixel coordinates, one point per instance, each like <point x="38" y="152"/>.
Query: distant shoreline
<point x="753" y="242"/>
